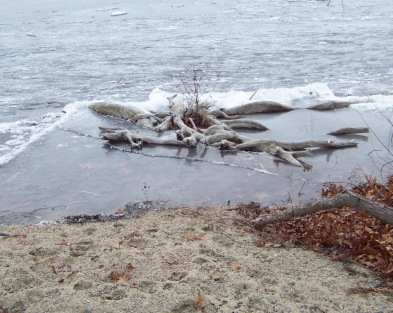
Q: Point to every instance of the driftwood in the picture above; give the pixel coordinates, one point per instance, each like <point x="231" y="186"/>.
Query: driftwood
<point x="245" y="124"/>
<point x="201" y="127"/>
<point x="136" y="140"/>
<point x="256" y="107"/>
<point x="330" y="105"/>
<point x="345" y="199"/>
<point x="271" y="147"/>
<point x="113" y="109"/>
<point x="221" y="114"/>
<point x="349" y="131"/>
<point x="327" y="144"/>
<point x="290" y="150"/>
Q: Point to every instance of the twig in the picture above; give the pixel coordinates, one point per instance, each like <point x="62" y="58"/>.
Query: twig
<point x="254" y="94"/>
<point x="300" y="191"/>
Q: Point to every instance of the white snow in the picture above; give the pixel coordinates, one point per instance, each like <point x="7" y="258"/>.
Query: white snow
<point x="118" y="13"/>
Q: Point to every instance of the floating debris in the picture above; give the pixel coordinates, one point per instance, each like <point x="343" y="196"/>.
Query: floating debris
<point x="144" y="206"/>
<point x="84" y="218"/>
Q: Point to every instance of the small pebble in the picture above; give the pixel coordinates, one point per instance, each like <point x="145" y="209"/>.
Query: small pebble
<point x="88" y="310"/>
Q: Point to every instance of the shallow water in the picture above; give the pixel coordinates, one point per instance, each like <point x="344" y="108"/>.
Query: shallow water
<point x="296" y="52"/>
<point x="73" y="172"/>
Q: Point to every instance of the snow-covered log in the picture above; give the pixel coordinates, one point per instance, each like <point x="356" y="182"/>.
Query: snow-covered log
<point x="257" y="107"/>
<point x="330" y="105"/>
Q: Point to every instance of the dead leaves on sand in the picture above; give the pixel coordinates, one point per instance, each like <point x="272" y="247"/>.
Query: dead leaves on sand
<point x="386" y="290"/>
<point x="191" y="237"/>
<point x="64" y="243"/>
<point x="200" y="300"/>
<point x="21" y="239"/>
<point x="340" y="233"/>
<point x="123" y="274"/>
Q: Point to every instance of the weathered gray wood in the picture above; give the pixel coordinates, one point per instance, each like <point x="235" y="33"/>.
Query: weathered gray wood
<point x="113" y="109"/>
<point x="164" y="125"/>
<point x="186" y="131"/>
<point x="221" y="114"/>
<point x="330" y="105"/>
<point x="271" y="147"/>
<point x="136" y="139"/>
<point x="225" y="145"/>
<point x="316" y="144"/>
<point x="257" y="107"/>
<point x="245" y="124"/>
<point x="346" y="199"/>
<point x="143" y="115"/>
<point x="176" y="105"/>
<point x="220" y="134"/>
<point x="227" y="135"/>
<point x="349" y="131"/>
<point x="215" y="129"/>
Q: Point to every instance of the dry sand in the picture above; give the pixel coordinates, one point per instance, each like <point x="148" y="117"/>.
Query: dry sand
<point x="66" y="268"/>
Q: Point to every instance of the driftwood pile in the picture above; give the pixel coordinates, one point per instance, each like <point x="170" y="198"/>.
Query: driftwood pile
<point x="195" y="126"/>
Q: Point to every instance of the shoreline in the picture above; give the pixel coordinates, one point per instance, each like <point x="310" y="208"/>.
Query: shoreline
<point x="85" y="177"/>
<point x="174" y="260"/>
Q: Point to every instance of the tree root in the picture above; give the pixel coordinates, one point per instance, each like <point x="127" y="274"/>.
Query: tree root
<point x="219" y="134"/>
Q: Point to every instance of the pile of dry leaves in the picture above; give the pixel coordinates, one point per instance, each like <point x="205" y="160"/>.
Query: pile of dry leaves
<point x="340" y="233"/>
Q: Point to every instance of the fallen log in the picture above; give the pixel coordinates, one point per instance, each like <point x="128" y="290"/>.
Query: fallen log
<point x="330" y="105"/>
<point x="113" y="109"/>
<point x="221" y="114"/>
<point x="257" y="107"/>
<point x="245" y="124"/>
<point x="136" y="140"/>
<point x="271" y="147"/>
<point x="349" y="131"/>
<point x="345" y="199"/>
<point x="316" y="144"/>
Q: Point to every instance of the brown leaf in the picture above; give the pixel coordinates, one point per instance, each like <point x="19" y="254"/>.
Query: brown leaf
<point x="71" y="274"/>
<point x="235" y="266"/>
<point x="122" y="274"/>
<point x="107" y="297"/>
<point x="22" y="239"/>
<point x="173" y="262"/>
<point x="341" y="233"/>
<point x="63" y="242"/>
<point x="195" y="237"/>
<point x="119" y="211"/>
<point x="199" y="299"/>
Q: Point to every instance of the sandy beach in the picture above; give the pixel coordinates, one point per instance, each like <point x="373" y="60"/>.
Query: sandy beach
<point x="176" y="260"/>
